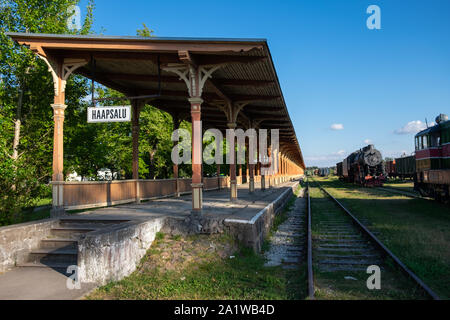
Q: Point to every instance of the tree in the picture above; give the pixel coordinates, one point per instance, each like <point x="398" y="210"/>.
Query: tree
<point x="25" y="97"/>
<point x="145" y="31"/>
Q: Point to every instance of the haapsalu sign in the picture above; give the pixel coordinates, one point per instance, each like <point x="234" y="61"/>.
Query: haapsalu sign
<point x="109" y="114"/>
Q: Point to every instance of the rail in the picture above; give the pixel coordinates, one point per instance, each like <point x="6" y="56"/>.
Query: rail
<point x="381" y="246"/>
<point x="309" y="249"/>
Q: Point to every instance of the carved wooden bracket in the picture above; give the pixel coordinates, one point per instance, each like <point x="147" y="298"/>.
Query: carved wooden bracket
<point x="62" y="72"/>
<point x="194" y="77"/>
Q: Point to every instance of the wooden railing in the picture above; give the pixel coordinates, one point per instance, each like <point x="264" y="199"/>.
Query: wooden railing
<point x="91" y="194"/>
<point x="151" y="189"/>
<point x="210" y="183"/>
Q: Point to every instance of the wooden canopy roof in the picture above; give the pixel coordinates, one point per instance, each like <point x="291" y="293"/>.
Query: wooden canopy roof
<point x="130" y="65"/>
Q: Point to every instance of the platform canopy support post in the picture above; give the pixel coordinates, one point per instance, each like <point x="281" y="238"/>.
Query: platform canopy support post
<point x="60" y="70"/>
<point x="195" y="77"/>
<point x="136" y="106"/>
<point x="176" y="126"/>
<point x="218" y="175"/>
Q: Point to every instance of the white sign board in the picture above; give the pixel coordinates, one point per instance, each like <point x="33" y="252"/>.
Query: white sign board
<point x="109" y="114"/>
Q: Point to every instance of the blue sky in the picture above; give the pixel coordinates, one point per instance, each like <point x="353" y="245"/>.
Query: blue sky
<point x="379" y="85"/>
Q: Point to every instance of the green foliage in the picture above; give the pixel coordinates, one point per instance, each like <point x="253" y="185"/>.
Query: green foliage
<point x="19" y="189"/>
<point x="26" y="92"/>
<point x="145" y="31"/>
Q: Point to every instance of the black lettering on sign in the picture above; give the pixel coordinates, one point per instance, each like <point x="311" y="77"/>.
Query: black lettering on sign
<point x="108" y="114"/>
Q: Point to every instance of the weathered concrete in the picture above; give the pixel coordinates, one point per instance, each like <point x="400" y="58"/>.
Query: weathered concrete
<point x="252" y="232"/>
<point x="113" y="253"/>
<point x="18" y="240"/>
<point x="38" y="284"/>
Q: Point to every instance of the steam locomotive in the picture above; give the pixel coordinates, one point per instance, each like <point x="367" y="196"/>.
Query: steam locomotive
<point x="364" y="167"/>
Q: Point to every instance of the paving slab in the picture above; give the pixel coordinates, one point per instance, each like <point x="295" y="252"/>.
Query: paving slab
<point x="38" y="284"/>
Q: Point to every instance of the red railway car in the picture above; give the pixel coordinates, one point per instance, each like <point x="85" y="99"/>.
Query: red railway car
<point x="433" y="160"/>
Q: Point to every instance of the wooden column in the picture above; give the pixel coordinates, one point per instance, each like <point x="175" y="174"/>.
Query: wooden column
<point x="251" y="185"/>
<point x="176" y="125"/>
<point x="197" y="146"/>
<point x="250" y="172"/>
<point x="135" y="135"/>
<point x="60" y="71"/>
<point x="195" y="77"/>
<point x="233" y="181"/>
<point x="240" y="173"/>
<point x="58" y="157"/>
<point x="58" y="140"/>
<point x="218" y="175"/>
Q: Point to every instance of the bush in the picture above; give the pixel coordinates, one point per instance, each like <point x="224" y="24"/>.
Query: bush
<point x="19" y="189"/>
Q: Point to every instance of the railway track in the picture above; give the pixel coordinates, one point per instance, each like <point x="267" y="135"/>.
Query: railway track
<point x="344" y="244"/>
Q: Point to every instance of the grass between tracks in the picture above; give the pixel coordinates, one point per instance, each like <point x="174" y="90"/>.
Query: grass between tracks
<point x="417" y="231"/>
<point x="401" y="185"/>
<point x="205" y="267"/>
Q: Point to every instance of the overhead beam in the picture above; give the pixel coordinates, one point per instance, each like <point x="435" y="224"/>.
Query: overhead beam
<point x="243" y="82"/>
<point x="104" y="81"/>
<point x="139" y="45"/>
<point x="174" y="79"/>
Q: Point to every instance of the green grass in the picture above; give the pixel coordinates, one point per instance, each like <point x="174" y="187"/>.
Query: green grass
<point x="417" y="231"/>
<point x="185" y="267"/>
<point x="401" y="185"/>
<point x="208" y="276"/>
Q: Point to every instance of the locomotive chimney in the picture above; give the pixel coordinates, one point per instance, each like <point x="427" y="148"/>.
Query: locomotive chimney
<point x="441" y="118"/>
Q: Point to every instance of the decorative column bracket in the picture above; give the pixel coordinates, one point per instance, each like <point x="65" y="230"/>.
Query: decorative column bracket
<point x="62" y="73"/>
<point x="194" y="78"/>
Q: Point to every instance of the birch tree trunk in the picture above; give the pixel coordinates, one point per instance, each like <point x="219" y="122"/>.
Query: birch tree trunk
<point x="17" y="127"/>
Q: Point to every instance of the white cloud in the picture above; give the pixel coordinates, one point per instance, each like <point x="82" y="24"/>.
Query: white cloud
<point x="325" y="160"/>
<point x="337" y="126"/>
<point x="367" y="141"/>
<point x="339" y="153"/>
<point x="412" y="127"/>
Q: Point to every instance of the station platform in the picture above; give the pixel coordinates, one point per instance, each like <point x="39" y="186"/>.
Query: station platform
<point x="124" y="233"/>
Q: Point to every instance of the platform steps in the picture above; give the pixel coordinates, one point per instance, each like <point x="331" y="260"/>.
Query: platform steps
<point x="60" y="249"/>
